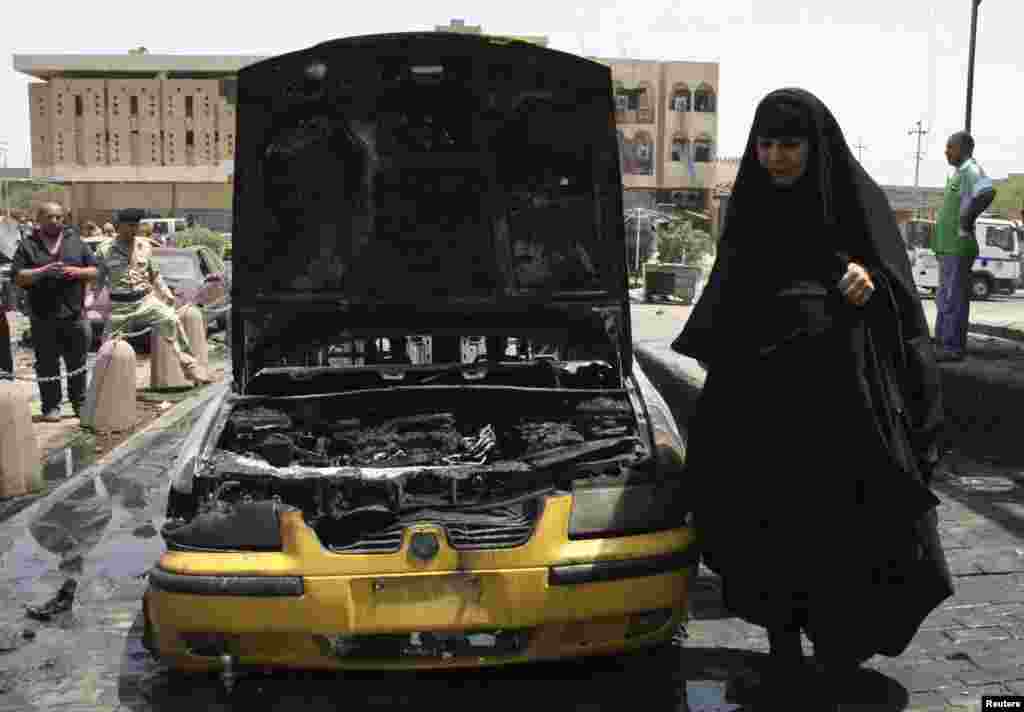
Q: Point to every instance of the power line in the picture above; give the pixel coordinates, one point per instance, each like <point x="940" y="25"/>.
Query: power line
<point x="860" y="148"/>
<point x="917" y="160"/>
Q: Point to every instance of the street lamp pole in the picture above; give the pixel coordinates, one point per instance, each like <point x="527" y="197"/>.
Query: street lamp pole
<point x="638" y="242"/>
<point x="970" y="62"/>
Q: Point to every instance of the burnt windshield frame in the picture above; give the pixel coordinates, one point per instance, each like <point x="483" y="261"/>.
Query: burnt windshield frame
<point x="339" y="77"/>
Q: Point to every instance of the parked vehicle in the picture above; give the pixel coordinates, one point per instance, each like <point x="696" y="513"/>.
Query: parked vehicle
<point x="165" y="226"/>
<point x="996" y="270"/>
<point x="511" y="490"/>
<point x="194" y="274"/>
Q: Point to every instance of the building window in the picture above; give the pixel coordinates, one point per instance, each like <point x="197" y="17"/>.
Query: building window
<point x="630" y="99"/>
<point x="680" y="99"/>
<point x="638" y="155"/>
<point x="702" y="150"/>
<point x="133" y="106"/>
<point x="188" y="107"/>
<point x="704" y="99"/>
<point x="190" y="139"/>
<point x="79" y="108"/>
<point x="680" y="149"/>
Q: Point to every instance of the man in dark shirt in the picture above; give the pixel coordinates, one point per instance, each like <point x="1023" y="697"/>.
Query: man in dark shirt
<point x="53" y="267"/>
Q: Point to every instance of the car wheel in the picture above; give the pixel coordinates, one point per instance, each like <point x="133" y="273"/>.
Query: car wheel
<point x="980" y="288"/>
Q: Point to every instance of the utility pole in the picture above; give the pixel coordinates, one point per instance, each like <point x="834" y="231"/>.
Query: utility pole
<point x="917" y="163"/>
<point x="638" y="241"/>
<point x="970" y="63"/>
<point x="860" y="148"/>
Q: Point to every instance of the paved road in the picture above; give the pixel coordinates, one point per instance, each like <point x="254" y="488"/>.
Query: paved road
<point x="93" y="660"/>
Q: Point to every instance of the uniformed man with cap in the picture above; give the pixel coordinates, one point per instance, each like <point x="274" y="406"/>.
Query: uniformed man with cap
<point x="140" y="298"/>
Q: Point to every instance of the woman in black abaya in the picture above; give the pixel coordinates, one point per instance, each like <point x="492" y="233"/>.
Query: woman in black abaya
<point x="814" y="437"/>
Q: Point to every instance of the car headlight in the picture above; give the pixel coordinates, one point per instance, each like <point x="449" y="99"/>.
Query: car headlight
<point x="247" y="526"/>
<point x="601" y="510"/>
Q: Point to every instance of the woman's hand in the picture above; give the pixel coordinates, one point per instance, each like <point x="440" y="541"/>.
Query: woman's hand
<point x="856" y="285"/>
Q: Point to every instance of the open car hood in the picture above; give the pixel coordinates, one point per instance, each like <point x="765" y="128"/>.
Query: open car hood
<point x="425" y="182"/>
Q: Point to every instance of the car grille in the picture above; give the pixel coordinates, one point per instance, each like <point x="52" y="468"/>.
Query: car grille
<point x="463" y="536"/>
<point x="387" y="541"/>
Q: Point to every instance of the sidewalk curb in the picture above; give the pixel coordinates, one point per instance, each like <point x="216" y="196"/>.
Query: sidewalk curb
<point x="165" y="421"/>
<point x="980" y="402"/>
<point x="1010" y="333"/>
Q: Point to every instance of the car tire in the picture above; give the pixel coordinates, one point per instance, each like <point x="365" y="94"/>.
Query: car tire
<point x="981" y="288"/>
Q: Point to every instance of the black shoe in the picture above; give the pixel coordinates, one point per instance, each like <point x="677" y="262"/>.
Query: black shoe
<point x="58" y="604"/>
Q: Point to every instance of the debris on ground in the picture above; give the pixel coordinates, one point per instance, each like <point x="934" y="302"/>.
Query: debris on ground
<point x="164" y="406"/>
<point x="60" y="603"/>
<point x="13" y="637"/>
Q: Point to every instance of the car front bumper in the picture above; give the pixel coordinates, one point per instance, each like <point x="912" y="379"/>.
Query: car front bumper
<point x="309" y="608"/>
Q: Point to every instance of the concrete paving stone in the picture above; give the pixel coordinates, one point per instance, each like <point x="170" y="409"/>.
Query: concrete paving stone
<point x="994" y="655"/>
<point x="1015" y="626"/>
<point x="941" y="619"/>
<point x="991" y="674"/>
<point x="1000" y="562"/>
<point x="961" y="561"/>
<point x="928" y="677"/>
<point x="1015" y="687"/>
<point x="994" y="588"/>
<point x="987" y="633"/>
<point x="995" y="614"/>
<point x="970" y="699"/>
<point x="935" y="643"/>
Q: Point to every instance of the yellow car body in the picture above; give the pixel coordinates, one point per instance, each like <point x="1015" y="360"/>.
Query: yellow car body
<point x="563" y="462"/>
<point x="351" y="596"/>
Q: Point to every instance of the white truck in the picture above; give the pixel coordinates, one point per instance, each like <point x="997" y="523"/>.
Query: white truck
<point x="996" y="270"/>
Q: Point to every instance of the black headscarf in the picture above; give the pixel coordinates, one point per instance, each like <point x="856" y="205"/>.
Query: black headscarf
<point x="835" y="212"/>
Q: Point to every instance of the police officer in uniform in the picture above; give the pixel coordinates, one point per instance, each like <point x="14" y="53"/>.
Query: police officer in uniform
<point x="140" y="298"/>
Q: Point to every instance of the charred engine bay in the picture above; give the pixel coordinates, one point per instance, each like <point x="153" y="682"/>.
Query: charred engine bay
<point x="480" y="472"/>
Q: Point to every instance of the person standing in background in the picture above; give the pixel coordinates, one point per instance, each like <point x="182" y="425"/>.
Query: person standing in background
<point x="53" y="266"/>
<point x="968" y="193"/>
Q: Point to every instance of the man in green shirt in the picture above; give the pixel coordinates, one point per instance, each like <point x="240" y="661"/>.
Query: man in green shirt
<point x="968" y="193"/>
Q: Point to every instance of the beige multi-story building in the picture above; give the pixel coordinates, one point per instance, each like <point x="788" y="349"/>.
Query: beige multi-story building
<point x="157" y="132"/>
<point x="667" y="119"/>
<point x="153" y="132"/>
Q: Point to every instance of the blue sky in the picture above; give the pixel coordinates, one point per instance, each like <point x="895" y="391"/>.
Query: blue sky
<point x="880" y="65"/>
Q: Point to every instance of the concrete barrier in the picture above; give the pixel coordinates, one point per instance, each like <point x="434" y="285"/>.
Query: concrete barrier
<point x="164" y="368"/>
<point x="982" y="396"/>
<point x="110" y="401"/>
<point x="194" y="324"/>
<point x="21" y="467"/>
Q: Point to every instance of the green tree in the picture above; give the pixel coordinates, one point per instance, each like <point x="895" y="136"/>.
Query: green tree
<point x="200" y="235"/>
<point x="29" y="195"/>
<point x="1009" y="201"/>
<point x="680" y="242"/>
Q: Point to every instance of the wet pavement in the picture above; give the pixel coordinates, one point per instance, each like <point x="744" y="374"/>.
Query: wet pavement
<point x="102" y="530"/>
<point x="100" y="526"/>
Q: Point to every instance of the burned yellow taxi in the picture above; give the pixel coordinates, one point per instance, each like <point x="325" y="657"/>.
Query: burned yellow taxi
<point x="438" y="450"/>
